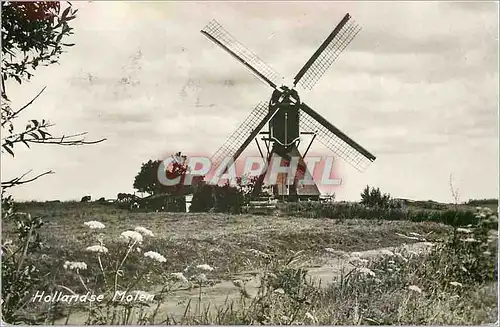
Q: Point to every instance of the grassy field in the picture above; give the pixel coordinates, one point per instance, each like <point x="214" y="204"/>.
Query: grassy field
<point x="237" y="244"/>
<point x="219" y="240"/>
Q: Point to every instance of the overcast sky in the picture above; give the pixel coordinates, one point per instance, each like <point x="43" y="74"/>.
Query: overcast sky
<point x="418" y="87"/>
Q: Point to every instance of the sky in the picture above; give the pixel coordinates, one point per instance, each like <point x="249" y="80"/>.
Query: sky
<point x="417" y="87"/>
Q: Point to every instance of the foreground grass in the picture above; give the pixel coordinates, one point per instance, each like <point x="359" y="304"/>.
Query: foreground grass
<point x="400" y="288"/>
<point x="222" y="241"/>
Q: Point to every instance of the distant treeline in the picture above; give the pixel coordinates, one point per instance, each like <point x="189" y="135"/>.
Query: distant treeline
<point x="478" y="202"/>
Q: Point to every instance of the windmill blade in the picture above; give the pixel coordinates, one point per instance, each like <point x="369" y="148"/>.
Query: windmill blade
<point x="334" y="139"/>
<point x="327" y="53"/>
<point x="217" y="34"/>
<point x="244" y="134"/>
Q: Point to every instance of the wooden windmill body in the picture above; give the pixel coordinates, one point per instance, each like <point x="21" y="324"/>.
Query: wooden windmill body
<point x="287" y="116"/>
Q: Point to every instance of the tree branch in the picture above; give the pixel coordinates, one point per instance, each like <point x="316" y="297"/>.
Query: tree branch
<point x="15" y="113"/>
<point x="65" y="140"/>
<point x="19" y="180"/>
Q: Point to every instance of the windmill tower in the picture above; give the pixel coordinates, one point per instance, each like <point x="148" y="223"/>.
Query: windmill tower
<point x="286" y="115"/>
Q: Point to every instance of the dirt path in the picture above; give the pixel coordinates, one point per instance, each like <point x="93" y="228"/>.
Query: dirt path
<point x="226" y="291"/>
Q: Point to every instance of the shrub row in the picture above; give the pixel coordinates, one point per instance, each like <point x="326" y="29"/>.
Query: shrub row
<point x="358" y="211"/>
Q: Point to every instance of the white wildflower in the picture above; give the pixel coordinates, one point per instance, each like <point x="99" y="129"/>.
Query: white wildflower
<point x="330" y="250"/>
<point x="391" y="262"/>
<point x="97" y="248"/>
<point x="469" y="240"/>
<point x="72" y="265"/>
<point x="179" y="276"/>
<point x="204" y="267"/>
<point x="144" y="231"/>
<point x="138" y="249"/>
<point x="464" y="230"/>
<point x="94" y="224"/>
<point x="415" y="288"/>
<point x="131" y="235"/>
<point x="155" y="256"/>
<point x="456" y="284"/>
<point x="201" y="278"/>
<point x="366" y="271"/>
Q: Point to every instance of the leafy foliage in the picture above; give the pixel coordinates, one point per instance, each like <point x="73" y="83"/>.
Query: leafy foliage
<point x="32" y="35"/>
<point x="373" y="197"/>
<point x="203" y="198"/>
<point x="480" y="202"/>
<point x="147" y="180"/>
<point x="223" y="198"/>
<point x="347" y="210"/>
<point x="18" y="274"/>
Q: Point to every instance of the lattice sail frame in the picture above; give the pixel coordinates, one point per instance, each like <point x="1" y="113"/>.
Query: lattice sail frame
<point x="334" y="143"/>
<point x="235" y="141"/>
<point x="326" y="58"/>
<point x="310" y="74"/>
<point x="241" y="53"/>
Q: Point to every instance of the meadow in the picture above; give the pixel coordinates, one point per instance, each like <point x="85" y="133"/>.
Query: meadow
<point x="282" y="268"/>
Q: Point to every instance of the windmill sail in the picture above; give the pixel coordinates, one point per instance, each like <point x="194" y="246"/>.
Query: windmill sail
<point x="327" y="53"/>
<point x="334" y="139"/>
<point x="217" y="34"/>
<point x="244" y="134"/>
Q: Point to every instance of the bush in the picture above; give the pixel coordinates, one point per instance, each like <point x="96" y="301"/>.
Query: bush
<point x="226" y="199"/>
<point x="351" y="210"/>
<point x="203" y="199"/>
<point x="374" y="198"/>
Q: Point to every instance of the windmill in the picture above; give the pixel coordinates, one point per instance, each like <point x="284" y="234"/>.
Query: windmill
<point x="286" y="115"/>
